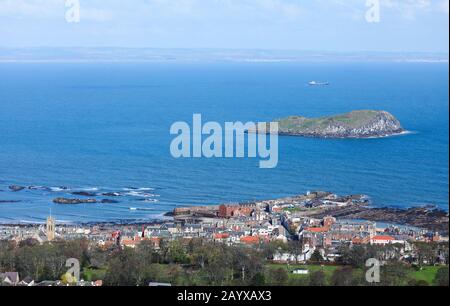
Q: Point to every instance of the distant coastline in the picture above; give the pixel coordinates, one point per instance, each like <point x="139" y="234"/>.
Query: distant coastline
<point x="116" y="54"/>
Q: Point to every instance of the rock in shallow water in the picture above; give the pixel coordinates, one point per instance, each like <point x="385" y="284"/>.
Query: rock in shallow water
<point x="16" y="188"/>
<point x="74" y="201"/>
<point x="84" y="193"/>
<point x="108" y="201"/>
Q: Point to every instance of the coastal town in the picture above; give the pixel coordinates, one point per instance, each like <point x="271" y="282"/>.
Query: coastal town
<point x="248" y="224"/>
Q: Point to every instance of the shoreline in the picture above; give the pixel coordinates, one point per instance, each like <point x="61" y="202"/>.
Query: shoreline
<point x="427" y="217"/>
<point x="397" y="134"/>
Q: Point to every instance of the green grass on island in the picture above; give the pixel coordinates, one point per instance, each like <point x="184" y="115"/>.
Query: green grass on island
<point x="352" y="120"/>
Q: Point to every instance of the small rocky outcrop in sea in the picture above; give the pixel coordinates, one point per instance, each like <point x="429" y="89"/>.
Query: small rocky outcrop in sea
<point x="9" y="201"/>
<point x="108" y="201"/>
<point x="74" y="201"/>
<point x="356" y="124"/>
<point x="84" y="193"/>
<point x="112" y="194"/>
<point x="16" y="188"/>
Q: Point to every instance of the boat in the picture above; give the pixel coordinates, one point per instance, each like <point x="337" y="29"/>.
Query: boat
<point x="315" y="83"/>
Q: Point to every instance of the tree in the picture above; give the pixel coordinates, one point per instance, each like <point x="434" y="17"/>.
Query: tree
<point x="394" y="274"/>
<point x="68" y="279"/>
<point x="270" y="249"/>
<point x="441" y="278"/>
<point x="316" y="256"/>
<point x="343" y="277"/>
<point x="218" y="264"/>
<point x="176" y="253"/>
<point x="125" y="269"/>
<point x="296" y="249"/>
<point x="317" y="278"/>
<point x="146" y="252"/>
<point x="279" y="276"/>
<point x="28" y="242"/>
<point x="246" y="261"/>
<point x="426" y="252"/>
<point x="357" y="255"/>
<point x="258" y="280"/>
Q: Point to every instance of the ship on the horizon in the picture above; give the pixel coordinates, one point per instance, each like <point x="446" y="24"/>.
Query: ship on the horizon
<point x="316" y="83"/>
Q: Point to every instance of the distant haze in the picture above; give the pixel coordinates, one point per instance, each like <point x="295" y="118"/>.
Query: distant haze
<point x="324" y="25"/>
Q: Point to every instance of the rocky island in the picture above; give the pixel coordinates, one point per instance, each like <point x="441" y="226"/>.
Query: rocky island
<point x="356" y="124"/>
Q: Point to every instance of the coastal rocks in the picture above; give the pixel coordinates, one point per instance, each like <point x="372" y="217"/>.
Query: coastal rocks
<point x="74" y="201"/>
<point x="84" y="193"/>
<point x="62" y="195"/>
<point x="112" y="194"/>
<point x="9" y="201"/>
<point x="66" y="201"/>
<point x="59" y="189"/>
<point x="108" y="201"/>
<point x="428" y="217"/>
<point x="16" y="188"/>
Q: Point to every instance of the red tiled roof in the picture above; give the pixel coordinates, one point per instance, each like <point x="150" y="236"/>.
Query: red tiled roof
<point x="383" y="238"/>
<point x="130" y="242"/>
<point x="250" y="239"/>
<point x="221" y="236"/>
<point x="318" y="229"/>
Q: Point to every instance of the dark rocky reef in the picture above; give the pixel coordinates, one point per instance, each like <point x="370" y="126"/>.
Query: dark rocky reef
<point x="9" y="201"/>
<point x="74" y="201"/>
<point x="427" y="217"/>
<point x="84" y="193"/>
<point x="16" y="188"/>
<point x="66" y="201"/>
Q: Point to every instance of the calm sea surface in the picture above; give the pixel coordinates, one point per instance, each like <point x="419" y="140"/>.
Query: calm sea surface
<point x="105" y="127"/>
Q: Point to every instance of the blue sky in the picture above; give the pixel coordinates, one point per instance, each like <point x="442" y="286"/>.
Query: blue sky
<point x="325" y="25"/>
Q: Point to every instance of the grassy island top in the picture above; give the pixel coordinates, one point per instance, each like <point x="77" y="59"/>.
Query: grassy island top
<point x="353" y="119"/>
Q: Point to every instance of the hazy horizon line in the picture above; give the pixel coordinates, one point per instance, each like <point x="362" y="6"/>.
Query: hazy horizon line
<point x="154" y="54"/>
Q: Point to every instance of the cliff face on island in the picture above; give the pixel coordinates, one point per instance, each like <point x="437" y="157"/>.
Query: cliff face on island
<point x="356" y="124"/>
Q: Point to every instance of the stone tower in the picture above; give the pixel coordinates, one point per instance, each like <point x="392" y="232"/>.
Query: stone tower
<point x="50" y="228"/>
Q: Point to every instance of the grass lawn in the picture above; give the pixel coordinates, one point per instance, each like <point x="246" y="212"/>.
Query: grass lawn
<point x="427" y="274"/>
<point x="328" y="270"/>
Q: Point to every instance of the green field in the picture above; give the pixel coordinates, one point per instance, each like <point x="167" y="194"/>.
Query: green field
<point x="426" y="274"/>
<point x="328" y="270"/>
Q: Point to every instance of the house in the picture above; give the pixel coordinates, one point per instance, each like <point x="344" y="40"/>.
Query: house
<point x="251" y="240"/>
<point x="288" y="257"/>
<point x="361" y="239"/>
<point x="192" y="228"/>
<point x="9" y="278"/>
<point x="318" y="230"/>
<point x="26" y="282"/>
<point x="170" y="227"/>
<point x="276" y="209"/>
<point x="229" y="211"/>
<point x="221" y="237"/>
<point x="382" y="240"/>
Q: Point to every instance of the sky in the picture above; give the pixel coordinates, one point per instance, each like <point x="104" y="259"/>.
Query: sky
<point x="311" y="25"/>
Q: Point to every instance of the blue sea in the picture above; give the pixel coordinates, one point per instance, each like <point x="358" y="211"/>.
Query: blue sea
<point x="105" y="128"/>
